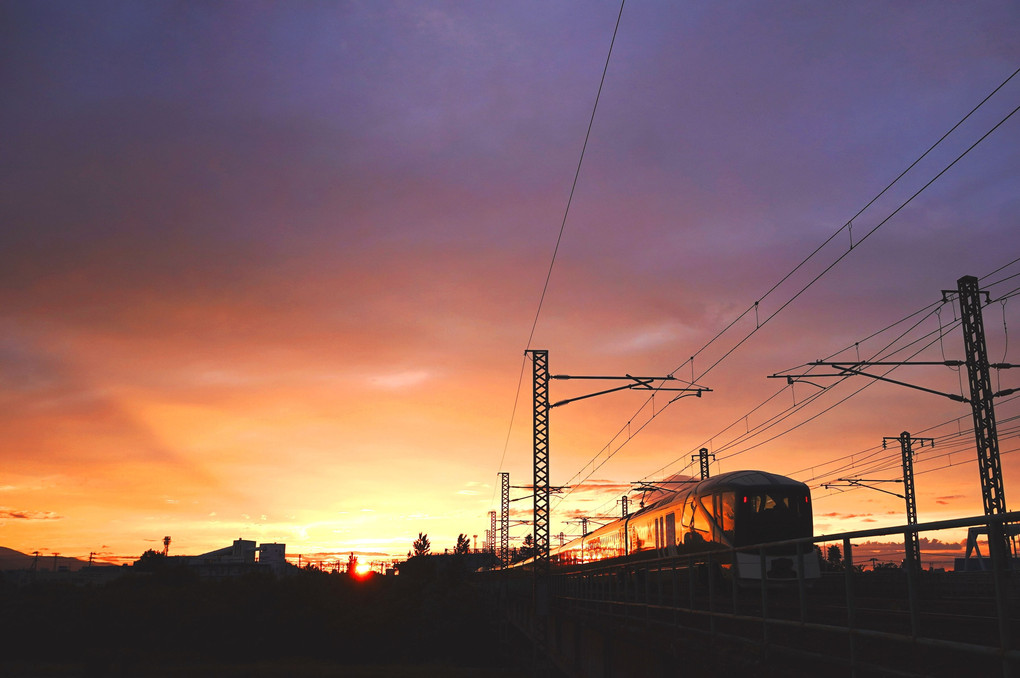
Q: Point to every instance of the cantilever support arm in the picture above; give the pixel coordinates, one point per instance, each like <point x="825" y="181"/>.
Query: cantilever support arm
<point x="854" y="368"/>
<point x="859" y="482"/>
<point x="638" y="383"/>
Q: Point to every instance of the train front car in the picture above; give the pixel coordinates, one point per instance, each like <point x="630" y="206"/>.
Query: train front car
<point x="724" y="518"/>
<point x="763" y="508"/>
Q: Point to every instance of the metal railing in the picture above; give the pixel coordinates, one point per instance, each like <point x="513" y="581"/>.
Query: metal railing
<point x="901" y="621"/>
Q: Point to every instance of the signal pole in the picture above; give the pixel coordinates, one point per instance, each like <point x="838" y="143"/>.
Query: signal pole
<point x="623" y="505"/>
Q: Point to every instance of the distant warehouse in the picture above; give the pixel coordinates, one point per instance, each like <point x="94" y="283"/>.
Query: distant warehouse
<point x="239" y="558"/>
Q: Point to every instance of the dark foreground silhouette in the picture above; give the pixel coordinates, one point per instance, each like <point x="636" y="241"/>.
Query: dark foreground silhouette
<point x="170" y="617"/>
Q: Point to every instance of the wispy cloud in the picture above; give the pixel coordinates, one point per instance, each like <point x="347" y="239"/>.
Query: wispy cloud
<point x="28" y="515"/>
<point x="397" y="380"/>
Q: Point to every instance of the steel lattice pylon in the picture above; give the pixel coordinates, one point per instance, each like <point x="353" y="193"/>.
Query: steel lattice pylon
<point x="540" y="584"/>
<point x="541" y="475"/>
<point x="492" y="532"/>
<point x="907" y="451"/>
<point x="912" y="541"/>
<point x="986" y="436"/>
<point x="702" y="457"/>
<point x="980" y="397"/>
<point x="504" y="519"/>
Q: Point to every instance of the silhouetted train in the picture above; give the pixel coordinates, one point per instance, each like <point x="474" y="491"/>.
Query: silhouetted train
<point x="722" y="516"/>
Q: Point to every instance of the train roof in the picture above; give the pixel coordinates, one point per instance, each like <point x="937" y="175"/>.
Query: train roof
<point x="730" y="480"/>
<point x="748" y="479"/>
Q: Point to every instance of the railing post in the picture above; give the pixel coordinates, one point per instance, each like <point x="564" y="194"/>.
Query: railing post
<point x="676" y="586"/>
<point x="711" y="594"/>
<point x="851" y="613"/>
<point x="734" y="575"/>
<point x="996" y="537"/>
<point x="912" y="570"/>
<point x="801" y="582"/>
<point x="648" y="594"/>
<point x="690" y="582"/>
<point x="764" y="602"/>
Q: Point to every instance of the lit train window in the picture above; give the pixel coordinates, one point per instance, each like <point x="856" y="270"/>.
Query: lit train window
<point x="773" y="515"/>
<point x="727" y="513"/>
<point x="702" y="523"/>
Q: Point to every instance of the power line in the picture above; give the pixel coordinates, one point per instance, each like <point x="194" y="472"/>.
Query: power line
<point x="864" y="461"/>
<point x="754" y="307"/>
<point x="559" y="238"/>
<point x="577" y="174"/>
<point x="785" y="414"/>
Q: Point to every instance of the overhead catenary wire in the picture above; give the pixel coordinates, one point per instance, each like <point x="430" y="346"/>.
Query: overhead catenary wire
<point x="858" y="459"/>
<point x="559" y="238"/>
<point x="798" y="406"/>
<point x="754" y="307"/>
<point x="963" y="434"/>
<point x="879" y="355"/>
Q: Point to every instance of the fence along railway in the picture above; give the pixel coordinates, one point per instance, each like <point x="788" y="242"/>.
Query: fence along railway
<point x="693" y="615"/>
<point x="635" y="594"/>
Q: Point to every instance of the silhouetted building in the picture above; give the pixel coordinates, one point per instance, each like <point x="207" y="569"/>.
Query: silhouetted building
<point x="273" y="556"/>
<point x="239" y="558"/>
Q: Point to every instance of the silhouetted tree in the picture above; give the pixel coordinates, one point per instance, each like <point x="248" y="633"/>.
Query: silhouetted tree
<point x="835" y="557"/>
<point x="463" y="546"/>
<point x="422" y="546"/>
<point x="151" y="561"/>
<point x="527" y="548"/>
<point x="352" y="564"/>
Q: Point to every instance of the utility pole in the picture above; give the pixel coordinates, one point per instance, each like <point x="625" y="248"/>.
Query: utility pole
<point x="504" y="516"/>
<point x="584" y="527"/>
<point x="912" y="543"/>
<point x="703" y="456"/>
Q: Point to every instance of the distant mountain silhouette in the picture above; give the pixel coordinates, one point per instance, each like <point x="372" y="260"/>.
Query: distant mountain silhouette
<point x="16" y="560"/>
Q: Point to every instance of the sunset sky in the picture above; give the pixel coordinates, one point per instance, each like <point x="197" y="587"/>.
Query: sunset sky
<point x="269" y="270"/>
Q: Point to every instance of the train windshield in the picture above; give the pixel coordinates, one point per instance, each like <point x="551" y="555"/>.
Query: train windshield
<point x="772" y="515"/>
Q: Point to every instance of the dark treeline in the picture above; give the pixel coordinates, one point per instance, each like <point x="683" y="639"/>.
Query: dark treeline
<point x="423" y="616"/>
